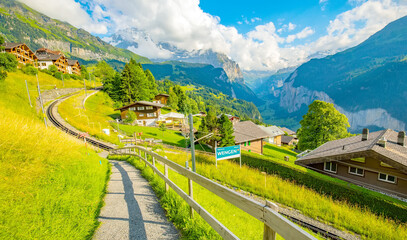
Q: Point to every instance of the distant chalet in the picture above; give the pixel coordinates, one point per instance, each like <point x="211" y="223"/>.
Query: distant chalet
<point x="249" y="136"/>
<point x="377" y="160"/>
<point x="47" y="57"/>
<point x="74" y="67"/>
<point x="22" y="52"/>
<point x="274" y="134"/>
<point x="147" y="112"/>
<point x="161" y="98"/>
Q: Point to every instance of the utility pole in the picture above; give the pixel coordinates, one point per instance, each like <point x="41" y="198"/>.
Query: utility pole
<point x="41" y="103"/>
<point x="84" y="86"/>
<point x="191" y="138"/>
<point x="28" y="92"/>
<point x="63" y="84"/>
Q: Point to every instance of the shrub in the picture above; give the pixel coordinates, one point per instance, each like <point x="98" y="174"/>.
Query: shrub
<point x="53" y="69"/>
<point x="336" y="190"/>
<point x="8" y="62"/>
<point x="3" y="74"/>
<point x="29" y="69"/>
<point x="67" y="76"/>
<point x="131" y="117"/>
<point x="58" y="75"/>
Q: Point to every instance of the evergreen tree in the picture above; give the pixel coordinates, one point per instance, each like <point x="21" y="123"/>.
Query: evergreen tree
<point x="226" y="132"/>
<point x="134" y="83"/>
<point x="104" y="71"/>
<point x="203" y="130"/>
<point x="173" y="99"/>
<point x="152" y="85"/>
<point x="321" y="124"/>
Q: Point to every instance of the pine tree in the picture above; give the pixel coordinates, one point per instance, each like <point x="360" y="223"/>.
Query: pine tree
<point x="152" y="85"/>
<point x="173" y="99"/>
<point x="226" y="132"/>
<point x="134" y="83"/>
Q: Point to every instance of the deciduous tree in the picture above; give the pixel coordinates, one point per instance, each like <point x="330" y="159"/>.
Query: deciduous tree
<point x="321" y="124"/>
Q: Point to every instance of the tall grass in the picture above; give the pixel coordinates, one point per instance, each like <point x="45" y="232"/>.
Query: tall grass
<point x="340" y="214"/>
<point x="51" y="186"/>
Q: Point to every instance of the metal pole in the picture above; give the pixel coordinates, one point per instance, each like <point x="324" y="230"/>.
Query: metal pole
<point x="216" y="156"/>
<point x="63" y="84"/>
<point x="41" y="103"/>
<point x="240" y="150"/>
<point x="84" y="86"/>
<point x="28" y="92"/>
<point x="191" y="138"/>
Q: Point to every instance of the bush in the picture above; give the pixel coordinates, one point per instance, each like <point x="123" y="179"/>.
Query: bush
<point x="53" y="69"/>
<point x="337" y="191"/>
<point x="29" y="69"/>
<point x="131" y="117"/>
<point x="3" y="74"/>
<point x="8" y="62"/>
<point x="67" y="76"/>
<point x="58" y="75"/>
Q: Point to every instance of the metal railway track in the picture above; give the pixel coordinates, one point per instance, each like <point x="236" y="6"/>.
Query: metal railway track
<point x="59" y="125"/>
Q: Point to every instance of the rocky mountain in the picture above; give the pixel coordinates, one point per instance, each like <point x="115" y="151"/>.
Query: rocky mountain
<point x="140" y="42"/>
<point x="368" y="83"/>
<point x="19" y="23"/>
<point x="199" y="74"/>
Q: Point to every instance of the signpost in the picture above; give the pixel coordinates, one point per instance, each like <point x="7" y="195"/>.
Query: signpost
<point x="223" y="153"/>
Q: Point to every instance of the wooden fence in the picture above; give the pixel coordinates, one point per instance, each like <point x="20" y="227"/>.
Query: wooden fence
<point x="268" y="214"/>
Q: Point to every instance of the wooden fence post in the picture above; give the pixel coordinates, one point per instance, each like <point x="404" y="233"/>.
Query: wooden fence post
<point x="166" y="175"/>
<point x="145" y="157"/>
<point x="190" y="192"/>
<point x="153" y="163"/>
<point x="270" y="234"/>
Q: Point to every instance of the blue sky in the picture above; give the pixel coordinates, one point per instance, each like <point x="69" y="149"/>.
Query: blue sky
<point x="258" y="35"/>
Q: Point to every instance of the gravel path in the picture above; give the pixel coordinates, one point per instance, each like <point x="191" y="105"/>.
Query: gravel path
<point x="132" y="210"/>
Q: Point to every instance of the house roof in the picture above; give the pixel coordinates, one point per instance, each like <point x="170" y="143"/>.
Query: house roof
<point x="343" y="149"/>
<point x="247" y="131"/>
<point x="146" y="103"/>
<point x="272" y="131"/>
<point x="227" y="115"/>
<point x="286" y="139"/>
<point x="11" y="45"/>
<point x="173" y="115"/>
<point x="288" y="131"/>
<point x="162" y="94"/>
<point x="72" y="62"/>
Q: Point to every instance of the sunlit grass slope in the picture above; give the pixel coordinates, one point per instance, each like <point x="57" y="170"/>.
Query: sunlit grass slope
<point x="51" y="186"/>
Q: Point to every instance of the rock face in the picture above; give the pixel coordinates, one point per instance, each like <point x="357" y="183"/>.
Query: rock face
<point x="293" y="98"/>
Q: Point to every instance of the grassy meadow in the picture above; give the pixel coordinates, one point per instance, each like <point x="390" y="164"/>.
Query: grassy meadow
<point x="51" y="185"/>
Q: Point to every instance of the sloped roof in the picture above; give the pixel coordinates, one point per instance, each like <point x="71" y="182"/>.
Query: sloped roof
<point x="247" y="131"/>
<point x="173" y="115"/>
<point x="288" y="131"/>
<point x="11" y="45"/>
<point x="162" y="94"/>
<point x="272" y="131"/>
<point x="72" y="62"/>
<point x="146" y="103"/>
<point x="286" y="139"/>
<point x="393" y="154"/>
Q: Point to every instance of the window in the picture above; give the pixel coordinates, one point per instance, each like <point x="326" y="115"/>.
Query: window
<point x="43" y="64"/>
<point x="356" y="171"/>
<point x="245" y="144"/>
<point x="387" y="178"/>
<point x="141" y="115"/>
<point x="360" y="159"/>
<point x="132" y="109"/>
<point x="151" y="114"/>
<point x="149" y="107"/>
<point x="249" y="143"/>
<point x="330" y="167"/>
<point x="140" y="108"/>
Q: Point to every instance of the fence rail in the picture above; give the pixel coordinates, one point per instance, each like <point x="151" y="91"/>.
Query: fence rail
<point x="268" y="214"/>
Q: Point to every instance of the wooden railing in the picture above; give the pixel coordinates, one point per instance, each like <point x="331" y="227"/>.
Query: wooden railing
<point x="268" y="214"/>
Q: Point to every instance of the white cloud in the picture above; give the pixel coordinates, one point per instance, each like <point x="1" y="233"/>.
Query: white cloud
<point x="68" y="11"/>
<point x="185" y="25"/>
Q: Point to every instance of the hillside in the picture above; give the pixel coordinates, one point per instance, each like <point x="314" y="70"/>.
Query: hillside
<point x="19" y="23"/>
<point x="201" y="75"/>
<point x="367" y="82"/>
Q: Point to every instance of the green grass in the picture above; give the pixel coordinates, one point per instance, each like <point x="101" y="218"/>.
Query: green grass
<point x="338" y="213"/>
<point x="51" y="186"/>
<point x="168" y="136"/>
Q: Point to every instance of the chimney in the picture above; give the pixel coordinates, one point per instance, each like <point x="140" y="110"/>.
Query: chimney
<point x="400" y="138"/>
<point x="382" y="142"/>
<point x="365" y="134"/>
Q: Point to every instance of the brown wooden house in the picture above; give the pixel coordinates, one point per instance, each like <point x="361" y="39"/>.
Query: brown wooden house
<point x="249" y="136"/>
<point x="161" y="98"/>
<point x="22" y="52"/>
<point x="47" y="57"/>
<point x="74" y="67"/>
<point x="147" y="112"/>
<point x="377" y="160"/>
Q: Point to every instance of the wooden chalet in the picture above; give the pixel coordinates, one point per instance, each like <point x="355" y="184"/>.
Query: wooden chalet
<point x="233" y="119"/>
<point x="274" y="134"/>
<point x="249" y="136"/>
<point x="22" y="52"/>
<point x="377" y="160"/>
<point x="74" y="67"/>
<point x="147" y="112"/>
<point x="161" y="98"/>
<point x="47" y="57"/>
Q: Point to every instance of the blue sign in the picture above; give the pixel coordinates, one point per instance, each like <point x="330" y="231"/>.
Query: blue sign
<point x="223" y="153"/>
